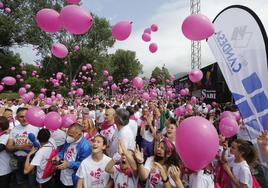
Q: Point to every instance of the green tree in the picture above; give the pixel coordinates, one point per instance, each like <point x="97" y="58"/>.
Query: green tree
<point x="125" y="65"/>
<point x="160" y="75"/>
<point x="36" y="84"/>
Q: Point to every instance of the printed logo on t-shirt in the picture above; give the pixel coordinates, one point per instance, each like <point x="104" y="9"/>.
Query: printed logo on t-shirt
<point x="154" y="178"/>
<point x="69" y="154"/>
<point x="96" y="174"/>
<point x="21" y="139"/>
<point x="122" y="186"/>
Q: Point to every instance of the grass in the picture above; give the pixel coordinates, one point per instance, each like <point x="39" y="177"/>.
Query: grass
<point x="9" y="95"/>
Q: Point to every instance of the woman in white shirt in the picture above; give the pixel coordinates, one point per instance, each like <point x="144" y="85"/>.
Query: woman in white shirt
<point x="40" y="159"/>
<point x="238" y="169"/>
<point x="91" y="172"/>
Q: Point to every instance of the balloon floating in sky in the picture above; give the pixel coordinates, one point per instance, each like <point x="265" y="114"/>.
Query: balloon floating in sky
<point x="35" y="116"/>
<point x="228" y="127"/>
<point x="146" y="37"/>
<point x="197" y="27"/>
<point x="195" y="75"/>
<point x="147" y="30"/>
<point x="153" y="47"/>
<point x="59" y="50"/>
<point x="75" y="19"/>
<point x="48" y="20"/>
<point x="7" y="10"/>
<point x="154" y="27"/>
<point x="122" y="30"/>
<point x="9" y="81"/>
<point x="138" y="83"/>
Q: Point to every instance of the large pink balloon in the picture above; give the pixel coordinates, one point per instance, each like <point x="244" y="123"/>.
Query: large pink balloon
<point x="68" y="120"/>
<point x="204" y="142"/>
<point x="153" y="47"/>
<point x="35" y="116"/>
<point x="75" y="19"/>
<point x="52" y="121"/>
<point x="228" y="127"/>
<point x="195" y="75"/>
<point x="146" y="37"/>
<point x="228" y="114"/>
<point x="73" y="1"/>
<point x="138" y="83"/>
<point x="122" y="30"/>
<point x="26" y="98"/>
<point x="59" y="50"/>
<point x="197" y="27"/>
<point x="48" y="20"/>
<point x="193" y="100"/>
<point x="9" y="81"/>
<point x="237" y="115"/>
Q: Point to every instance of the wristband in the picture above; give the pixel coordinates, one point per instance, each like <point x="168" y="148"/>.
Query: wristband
<point x="165" y="181"/>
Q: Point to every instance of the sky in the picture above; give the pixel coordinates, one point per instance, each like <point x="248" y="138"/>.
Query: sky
<point x="174" y="50"/>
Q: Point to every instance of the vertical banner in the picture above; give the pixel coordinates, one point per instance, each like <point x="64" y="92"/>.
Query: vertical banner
<point x="240" y="48"/>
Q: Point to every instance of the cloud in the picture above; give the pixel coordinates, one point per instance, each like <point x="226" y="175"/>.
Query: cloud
<point x="174" y="50"/>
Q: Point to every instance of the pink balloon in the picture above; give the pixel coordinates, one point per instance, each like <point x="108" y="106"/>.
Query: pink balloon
<point x="147" y="30"/>
<point x="23" y="72"/>
<point x="9" y="81"/>
<point x="73" y="1"/>
<point x="228" y="127"/>
<point x="26" y="98"/>
<point x="89" y="66"/>
<point x="146" y="37"/>
<point x="105" y="83"/>
<point x="202" y="133"/>
<point x="153" y="94"/>
<point x="1" y="88"/>
<point x="153" y="80"/>
<point x="214" y="104"/>
<point x="145" y="96"/>
<point x="122" y="30"/>
<point x="89" y="79"/>
<point x="84" y="68"/>
<point x="154" y="27"/>
<point x="105" y="73"/>
<point x="187" y="91"/>
<point x="59" y="96"/>
<point x="79" y="92"/>
<point x="43" y="90"/>
<point x="48" y="101"/>
<point x="197" y="27"/>
<point x="35" y="116"/>
<point x="52" y="121"/>
<point x="183" y="92"/>
<point x="21" y="80"/>
<point x="179" y="111"/>
<point x="31" y="94"/>
<point x="48" y="20"/>
<point x="18" y="76"/>
<point x="68" y="120"/>
<point x="237" y="115"/>
<point x="227" y="114"/>
<point x="41" y="96"/>
<point x="153" y="47"/>
<point x="195" y="75"/>
<point x="59" y="50"/>
<point x="1" y="5"/>
<point x="209" y="107"/>
<point x="110" y="78"/>
<point x="27" y="86"/>
<point x="7" y="10"/>
<point x="76" y="48"/>
<point x="22" y="91"/>
<point x="13" y="68"/>
<point x="188" y="108"/>
<point x="75" y="19"/>
<point x="125" y="80"/>
<point x="138" y="83"/>
<point x="114" y="87"/>
<point x="193" y="100"/>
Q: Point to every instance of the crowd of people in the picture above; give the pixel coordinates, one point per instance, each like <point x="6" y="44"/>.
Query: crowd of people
<point x="123" y="143"/>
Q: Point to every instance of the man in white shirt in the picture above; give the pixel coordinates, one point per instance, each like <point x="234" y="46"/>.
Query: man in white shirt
<point x="20" y="145"/>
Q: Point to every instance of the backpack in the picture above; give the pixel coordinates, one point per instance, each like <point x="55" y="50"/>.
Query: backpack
<point x="50" y="167"/>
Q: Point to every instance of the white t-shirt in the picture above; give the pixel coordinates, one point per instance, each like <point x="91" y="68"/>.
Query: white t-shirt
<point x="148" y="136"/>
<point x="100" y="116"/>
<point x="155" y="179"/>
<point x="59" y="136"/>
<point x="93" y="173"/>
<point x="20" y="136"/>
<point x="133" y="126"/>
<point x="40" y="160"/>
<point x="242" y="173"/>
<point x="123" y="180"/>
<point x="126" y="136"/>
<point x="111" y="134"/>
<point x="4" y="157"/>
<point x="92" y="115"/>
<point x="201" y="180"/>
<point x="69" y="155"/>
